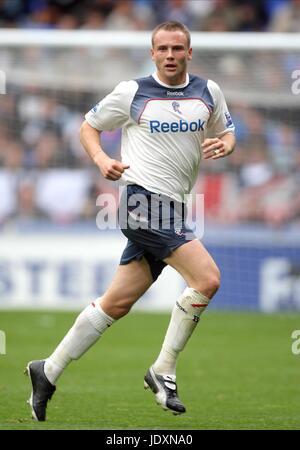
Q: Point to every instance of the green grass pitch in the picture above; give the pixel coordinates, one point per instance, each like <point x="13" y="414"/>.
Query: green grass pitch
<point x="237" y="372"/>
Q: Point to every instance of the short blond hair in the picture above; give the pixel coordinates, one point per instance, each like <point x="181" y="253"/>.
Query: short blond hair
<point x="172" y="25"/>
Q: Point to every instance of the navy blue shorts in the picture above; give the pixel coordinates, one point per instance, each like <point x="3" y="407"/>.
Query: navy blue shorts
<point x="154" y="225"/>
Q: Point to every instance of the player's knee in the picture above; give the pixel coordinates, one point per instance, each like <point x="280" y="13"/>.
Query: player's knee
<point x="120" y="308"/>
<point x="209" y="283"/>
<point x="214" y="281"/>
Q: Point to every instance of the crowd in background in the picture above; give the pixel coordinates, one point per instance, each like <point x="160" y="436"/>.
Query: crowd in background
<point x="45" y="173"/>
<point x="198" y="15"/>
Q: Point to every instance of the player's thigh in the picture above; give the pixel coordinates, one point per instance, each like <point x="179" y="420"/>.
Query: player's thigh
<point x="129" y="283"/>
<point x="196" y="266"/>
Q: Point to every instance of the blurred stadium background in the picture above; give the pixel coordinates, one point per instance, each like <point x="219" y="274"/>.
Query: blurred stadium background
<point x="59" y="58"/>
<point x="52" y="253"/>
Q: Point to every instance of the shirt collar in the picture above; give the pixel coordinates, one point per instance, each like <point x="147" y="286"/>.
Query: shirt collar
<point x="178" y="86"/>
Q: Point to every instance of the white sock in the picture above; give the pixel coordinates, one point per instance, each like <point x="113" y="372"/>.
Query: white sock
<point x="184" y="318"/>
<point x="87" y="329"/>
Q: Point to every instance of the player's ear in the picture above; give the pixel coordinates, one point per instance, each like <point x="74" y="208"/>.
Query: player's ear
<point x="190" y="53"/>
<point x="152" y="53"/>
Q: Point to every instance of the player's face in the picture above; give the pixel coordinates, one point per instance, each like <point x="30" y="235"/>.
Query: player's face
<point x="171" y="53"/>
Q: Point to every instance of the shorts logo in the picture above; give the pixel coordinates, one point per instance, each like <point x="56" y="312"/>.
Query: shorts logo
<point x="179" y="232"/>
<point x="176" y="107"/>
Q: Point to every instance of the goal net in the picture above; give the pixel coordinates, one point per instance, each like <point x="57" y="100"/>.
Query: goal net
<point x="49" y="80"/>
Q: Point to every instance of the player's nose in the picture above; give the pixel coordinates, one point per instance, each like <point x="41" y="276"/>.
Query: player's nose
<point x="170" y="54"/>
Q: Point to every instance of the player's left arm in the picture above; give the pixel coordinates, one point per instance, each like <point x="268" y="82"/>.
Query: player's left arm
<point x="220" y="140"/>
<point x="215" y="148"/>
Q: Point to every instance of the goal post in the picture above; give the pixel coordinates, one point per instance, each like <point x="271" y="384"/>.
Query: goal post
<point x="142" y="39"/>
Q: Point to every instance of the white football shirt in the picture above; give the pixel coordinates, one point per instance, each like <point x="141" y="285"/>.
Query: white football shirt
<point x="163" y="128"/>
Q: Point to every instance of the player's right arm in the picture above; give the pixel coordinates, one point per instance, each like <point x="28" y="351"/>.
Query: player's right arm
<point x="110" y="168"/>
<point x="112" y="112"/>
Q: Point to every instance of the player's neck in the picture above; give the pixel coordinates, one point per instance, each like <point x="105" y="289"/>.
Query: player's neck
<point x="163" y="83"/>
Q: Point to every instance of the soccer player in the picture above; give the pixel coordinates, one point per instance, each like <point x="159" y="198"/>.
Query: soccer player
<point x="170" y="120"/>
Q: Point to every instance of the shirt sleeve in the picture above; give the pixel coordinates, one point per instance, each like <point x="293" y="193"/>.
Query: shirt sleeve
<point x="113" y="111"/>
<point x="220" y="121"/>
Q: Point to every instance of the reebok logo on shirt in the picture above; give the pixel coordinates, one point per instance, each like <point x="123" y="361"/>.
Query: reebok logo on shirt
<point x="182" y="126"/>
<point x="175" y="93"/>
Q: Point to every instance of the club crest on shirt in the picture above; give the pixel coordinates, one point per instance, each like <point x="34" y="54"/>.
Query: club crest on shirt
<point x="176" y="107"/>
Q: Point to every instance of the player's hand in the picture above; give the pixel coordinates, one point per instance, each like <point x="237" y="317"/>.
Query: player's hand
<point x="215" y="148"/>
<point x="112" y="169"/>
